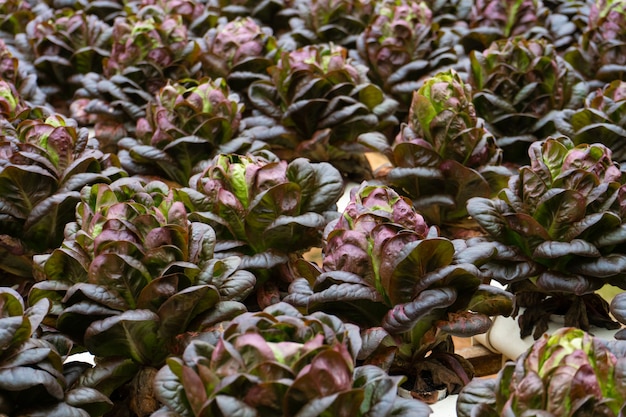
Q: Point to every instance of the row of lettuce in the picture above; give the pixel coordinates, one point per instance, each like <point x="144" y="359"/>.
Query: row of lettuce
<point x="145" y="267"/>
<point x="166" y="167"/>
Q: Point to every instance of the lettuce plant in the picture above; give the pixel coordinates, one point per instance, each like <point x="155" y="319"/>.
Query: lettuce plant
<point x="239" y="51"/>
<point x="185" y="125"/>
<point x="266" y="210"/>
<point x="325" y="21"/>
<point x="22" y="77"/>
<point x="111" y="105"/>
<point x="66" y="43"/>
<point x="557" y="234"/>
<point x="558" y="22"/>
<point x="271" y="13"/>
<point x="524" y="90"/>
<point x="491" y="20"/>
<point x="577" y="11"/>
<point x="33" y="379"/>
<point x="197" y="16"/>
<point x="569" y="373"/>
<point x="147" y="51"/>
<point x="46" y="160"/>
<point x="450" y="10"/>
<point x="152" y="50"/>
<point x="279" y="363"/>
<point x="11" y="102"/>
<point x="400" y="46"/>
<point x="603" y="119"/>
<point x="599" y="55"/>
<point x="131" y="277"/>
<point x="409" y="290"/>
<point x="443" y="155"/>
<point x="15" y="15"/>
<point x="42" y="174"/>
<point x="325" y="108"/>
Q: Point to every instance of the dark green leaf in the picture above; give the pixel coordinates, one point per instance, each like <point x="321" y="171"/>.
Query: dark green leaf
<point x="304" y="115"/>
<point x="491" y="300"/>
<point x="403" y="407"/>
<point x="237" y="286"/>
<point x="508" y="271"/>
<point x="315" y="407"/>
<point x="463" y="183"/>
<point x="292" y="233"/>
<point x="231" y="406"/>
<point x="402" y="73"/>
<point x="321" y="184"/>
<point x="110" y="374"/>
<point x="281" y="199"/>
<point x="68" y="263"/>
<point x="132" y="334"/>
<point x="569" y="283"/>
<point x="376" y="141"/>
<point x="608" y="134"/>
<point x="603" y="224"/>
<point x="554" y="249"/>
<point x="477" y="396"/>
<point x="13" y="331"/>
<point x="263" y="260"/>
<point x="524" y="232"/>
<point x="96" y="293"/>
<point x="169" y="388"/>
<point x="89" y="399"/>
<point x="403" y="317"/>
<point x="37" y="313"/>
<point x="477" y="253"/>
<point x="26" y="186"/>
<point x="559" y="209"/>
<point x="180" y="309"/>
<point x="603" y="267"/>
<point x="618" y="307"/>
<point x="222" y="311"/>
<point x="489" y="214"/>
<point x="122" y="273"/>
<point x="299" y="293"/>
<point x="399" y="275"/>
<point x="381" y="390"/>
<point x="612" y="237"/>
<point x="23" y="378"/>
<point x="75" y="319"/>
<point x="360" y="304"/>
<point x="464" y="277"/>
<point x="465" y="324"/>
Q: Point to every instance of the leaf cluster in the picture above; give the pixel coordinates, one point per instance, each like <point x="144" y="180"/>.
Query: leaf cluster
<point x="185" y="125"/>
<point x="603" y="118"/>
<point x="525" y="91"/>
<point x="569" y="373"/>
<point x="409" y="289"/>
<point x="325" y="107"/>
<point x="443" y="156"/>
<point x="279" y="363"/>
<point x="33" y="379"/>
<point x="46" y="160"/>
<point x="557" y="233"/>
<point x="266" y="209"/>
<point x="401" y="45"/>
